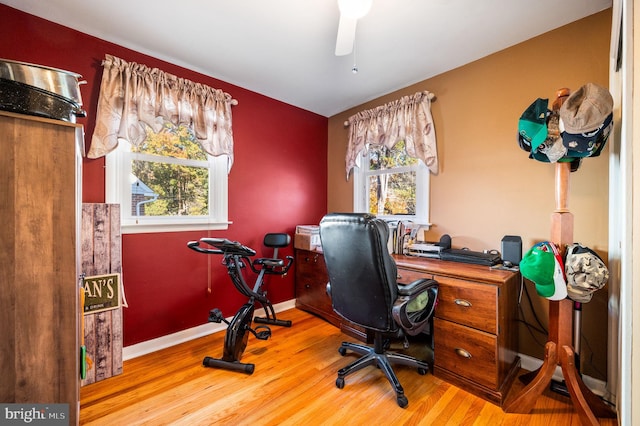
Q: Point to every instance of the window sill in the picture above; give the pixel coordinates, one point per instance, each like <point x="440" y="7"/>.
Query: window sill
<point x="142" y="228"/>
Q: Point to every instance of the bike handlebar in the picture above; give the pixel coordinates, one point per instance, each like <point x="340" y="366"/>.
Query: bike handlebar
<point x="222" y="246"/>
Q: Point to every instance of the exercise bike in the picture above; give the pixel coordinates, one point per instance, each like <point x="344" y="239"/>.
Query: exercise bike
<point x="235" y="257"/>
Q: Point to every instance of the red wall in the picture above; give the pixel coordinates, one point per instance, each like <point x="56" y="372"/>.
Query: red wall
<point x="278" y="180"/>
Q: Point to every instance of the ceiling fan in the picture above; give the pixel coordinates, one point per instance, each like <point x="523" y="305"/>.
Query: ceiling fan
<point x="350" y="12"/>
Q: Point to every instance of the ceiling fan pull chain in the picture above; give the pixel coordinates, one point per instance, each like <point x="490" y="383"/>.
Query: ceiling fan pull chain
<point x="355" y="66"/>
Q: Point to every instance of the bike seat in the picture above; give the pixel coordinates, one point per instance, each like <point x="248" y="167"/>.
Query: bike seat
<point x="271" y="263"/>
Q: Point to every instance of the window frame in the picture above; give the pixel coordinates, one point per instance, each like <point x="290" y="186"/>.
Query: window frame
<point x="117" y="191"/>
<point x="361" y="174"/>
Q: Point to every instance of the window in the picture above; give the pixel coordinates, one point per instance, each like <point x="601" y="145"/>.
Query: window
<point x="392" y="185"/>
<point x="167" y="183"/>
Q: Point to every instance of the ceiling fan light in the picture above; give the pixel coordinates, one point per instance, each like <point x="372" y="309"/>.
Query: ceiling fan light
<point x="354" y="9"/>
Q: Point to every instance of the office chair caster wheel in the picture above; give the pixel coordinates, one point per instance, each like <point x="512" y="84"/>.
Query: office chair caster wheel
<point x="422" y="371"/>
<point x="402" y="401"/>
<point x="342" y="351"/>
<point x="340" y="383"/>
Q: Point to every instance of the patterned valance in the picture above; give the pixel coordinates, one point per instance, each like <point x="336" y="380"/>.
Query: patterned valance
<point x="133" y="95"/>
<point x="408" y="119"/>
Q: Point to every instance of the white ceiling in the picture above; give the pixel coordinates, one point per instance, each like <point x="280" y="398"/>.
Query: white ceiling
<point x="284" y="49"/>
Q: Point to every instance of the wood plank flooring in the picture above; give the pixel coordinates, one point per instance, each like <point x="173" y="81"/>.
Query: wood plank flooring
<point x="293" y="384"/>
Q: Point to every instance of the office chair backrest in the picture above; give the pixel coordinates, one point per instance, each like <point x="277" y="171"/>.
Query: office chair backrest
<point x="362" y="274"/>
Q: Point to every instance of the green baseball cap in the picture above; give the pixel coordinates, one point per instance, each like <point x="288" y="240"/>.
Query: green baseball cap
<point x="538" y="265"/>
<point x="532" y="125"/>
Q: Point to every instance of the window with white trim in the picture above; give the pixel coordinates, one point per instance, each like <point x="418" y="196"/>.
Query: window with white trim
<point x="392" y="185"/>
<point x="168" y="183"/>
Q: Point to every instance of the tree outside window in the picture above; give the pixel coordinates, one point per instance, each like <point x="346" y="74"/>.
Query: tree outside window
<point x="179" y="188"/>
<point x="169" y="182"/>
<point x="392" y="183"/>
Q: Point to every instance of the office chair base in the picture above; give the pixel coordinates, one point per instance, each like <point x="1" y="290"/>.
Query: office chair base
<point x="382" y="360"/>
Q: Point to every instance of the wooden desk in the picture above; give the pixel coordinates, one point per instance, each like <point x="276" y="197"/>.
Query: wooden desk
<point x="475" y="325"/>
<point x="475" y="330"/>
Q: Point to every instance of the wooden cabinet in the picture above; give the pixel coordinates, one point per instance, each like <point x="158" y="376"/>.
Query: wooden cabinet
<point x="40" y="175"/>
<point x="311" y="291"/>
<point x="475" y="324"/>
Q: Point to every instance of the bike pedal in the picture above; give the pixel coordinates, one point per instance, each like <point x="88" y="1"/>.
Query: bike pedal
<point x="262" y="332"/>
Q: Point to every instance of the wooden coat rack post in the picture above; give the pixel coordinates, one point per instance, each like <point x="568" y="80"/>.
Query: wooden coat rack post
<point x="559" y="349"/>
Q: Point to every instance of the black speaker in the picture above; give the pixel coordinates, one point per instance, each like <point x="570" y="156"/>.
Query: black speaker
<point x="512" y="249"/>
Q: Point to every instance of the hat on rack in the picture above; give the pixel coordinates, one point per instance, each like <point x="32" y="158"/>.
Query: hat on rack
<point x="552" y="147"/>
<point x="532" y="126"/>
<point x="587" y="144"/>
<point x="586" y="120"/>
<point x="541" y="266"/>
<point x="586" y="273"/>
<point x="559" y="277"/>
<point x="586" y="108"/>
<point x="539" y="133"/>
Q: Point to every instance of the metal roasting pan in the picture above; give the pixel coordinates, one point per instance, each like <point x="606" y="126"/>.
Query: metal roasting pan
<point x="26" y="99"/>
<point x="59" y="82"/>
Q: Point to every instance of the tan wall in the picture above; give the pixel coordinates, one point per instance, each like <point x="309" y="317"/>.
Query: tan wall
<point x="487" y="186"/>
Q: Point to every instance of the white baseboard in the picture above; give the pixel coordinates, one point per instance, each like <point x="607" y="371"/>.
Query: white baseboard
<point x="169" y="340"/>
<point x="597" y="386"/>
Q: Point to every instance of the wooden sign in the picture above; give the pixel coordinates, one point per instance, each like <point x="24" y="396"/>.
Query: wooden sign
<point x="101" y="293"/>
<point x="102" y="255"/>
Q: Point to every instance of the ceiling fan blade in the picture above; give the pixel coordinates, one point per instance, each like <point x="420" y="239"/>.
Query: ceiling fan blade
<point x="346" y="35"/>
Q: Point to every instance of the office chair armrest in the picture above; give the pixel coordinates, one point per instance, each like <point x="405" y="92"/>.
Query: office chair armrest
<point x="416" y="287"/>
<point x="411" y="311"/>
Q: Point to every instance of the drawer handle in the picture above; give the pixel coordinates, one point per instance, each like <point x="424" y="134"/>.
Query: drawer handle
<point x="463" y="353"/>
<point x="463" y="303"/>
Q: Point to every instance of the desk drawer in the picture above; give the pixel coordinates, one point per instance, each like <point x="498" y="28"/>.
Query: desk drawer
<point x="466" y="352"/>
<point x="311" y="281"/>
<point x="468" y="303"/>
<point x="310" y="263"/>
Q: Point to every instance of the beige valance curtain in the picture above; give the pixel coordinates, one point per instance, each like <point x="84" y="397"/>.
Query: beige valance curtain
<point x="408" y="119"/>
<point x="133" y="95"/>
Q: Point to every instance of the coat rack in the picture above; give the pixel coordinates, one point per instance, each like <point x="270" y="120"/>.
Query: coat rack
<point x="559" y="349"/>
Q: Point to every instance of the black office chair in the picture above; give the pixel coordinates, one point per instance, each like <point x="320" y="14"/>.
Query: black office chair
<point x="364" y="290"/>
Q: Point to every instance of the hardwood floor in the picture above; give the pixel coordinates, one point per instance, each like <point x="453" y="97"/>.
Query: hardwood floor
<point x="293" y="384"/>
